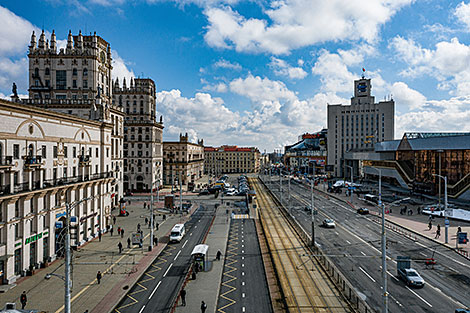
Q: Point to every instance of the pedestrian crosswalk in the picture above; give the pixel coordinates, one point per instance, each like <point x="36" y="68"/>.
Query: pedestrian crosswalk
<point x="240" y="216"/>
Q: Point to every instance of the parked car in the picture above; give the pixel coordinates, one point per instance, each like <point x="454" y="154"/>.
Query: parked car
<point x="363" y="211"/>
<point x="328" y="223"/>
<point x="203" y="192"/>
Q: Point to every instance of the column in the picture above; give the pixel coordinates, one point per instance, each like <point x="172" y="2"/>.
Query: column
<point x="41" y="178"/>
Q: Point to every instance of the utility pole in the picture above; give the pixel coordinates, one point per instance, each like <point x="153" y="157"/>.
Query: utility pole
<point x="446" y="213"/>
<point x="280" y="182"/>
<point x="288" y="197"/>
<point x="181" y="194"/>
<point x="351" y="186"/>
<point x="68" y="281"/>
<point x="312" y="205"/>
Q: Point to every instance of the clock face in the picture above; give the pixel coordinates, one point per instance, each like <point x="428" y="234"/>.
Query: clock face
<point x="362" y="87"/>
<point x="102" y="57"/>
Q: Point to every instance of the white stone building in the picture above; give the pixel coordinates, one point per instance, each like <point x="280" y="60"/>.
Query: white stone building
<point x="48" y="159"/>
<point x="77" y="80"/>
<point x="143" y="147"/>
<point x="358" y="126"/>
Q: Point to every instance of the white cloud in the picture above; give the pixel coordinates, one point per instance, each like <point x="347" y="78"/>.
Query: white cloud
<point x="222" y="63"/>
<point x="407" y="99"/>
<point x="448" y="62"/>
<point x="294" y="24"/>
<point x="281" y="68"/>
<point x="218" y="87"/>
<point x="120" y="69"/>
<point x="15" y="33"/>
<point x="462" y="12"/>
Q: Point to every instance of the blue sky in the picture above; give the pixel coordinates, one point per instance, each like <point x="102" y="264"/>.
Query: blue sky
<point x="260" y="73"/>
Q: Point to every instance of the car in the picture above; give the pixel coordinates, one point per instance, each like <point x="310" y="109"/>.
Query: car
<point x="462" y="310"/>
<point x="307" y="208"/>
<point x="363" y="211"/>
<point x="129" y="194"/>
<point x="231" y="193"/>
<point x="328" y="223"/>
<point x="203" y="192"/>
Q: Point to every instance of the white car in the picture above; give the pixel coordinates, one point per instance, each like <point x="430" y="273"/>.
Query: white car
<point x="328" y="223"/>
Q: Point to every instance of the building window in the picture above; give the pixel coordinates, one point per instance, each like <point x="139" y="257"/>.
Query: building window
<point x="85" y="72"/>
<point x="36" y="83"/>
<point x="74" y="83"/>
<point x="44" y="152"/>
<point x="65" y="172"/>
<point x="48" y="83"/>
<point x="36" y="72"/>
<point x="48" y="71"/>
<point x="74" y="72"/>
<point x="65" y="152"/>
<point x="74" y="152"/>
<point x="16" y="151"/>
<point x="54" y="152"/>
<point x="85" y="83"/>
<point x="61" y="79"/>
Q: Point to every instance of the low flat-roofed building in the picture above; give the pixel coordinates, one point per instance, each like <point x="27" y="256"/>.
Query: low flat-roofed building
<point x="231" y="159"/>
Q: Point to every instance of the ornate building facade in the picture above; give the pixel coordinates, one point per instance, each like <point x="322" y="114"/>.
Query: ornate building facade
<point x="48" y="159"/>
<point x="143" y="147"/>
<point x="183" y="161"/>
<point x="77" y="81"/>
<point x="231" y="159"/>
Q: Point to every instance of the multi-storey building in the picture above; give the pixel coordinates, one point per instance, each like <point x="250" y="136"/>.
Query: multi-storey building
<point x="308" y="155"/>
<point x="231" y="159"/>
<point x="183" y="161"/>
<point x="48" y="159"/>
<point x="143" y="155"/>
<point x="77" y="80"/>
<point x="358" y="126"/>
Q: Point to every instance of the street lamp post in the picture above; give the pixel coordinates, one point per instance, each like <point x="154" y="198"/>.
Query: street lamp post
<point x="312" y="209"/>
<point x="446" y="213"/>
<point x="351" y="186"/>
<point x="280" y="183"/>
<point x="288" y="194"/>
<point x="384" y="247"/>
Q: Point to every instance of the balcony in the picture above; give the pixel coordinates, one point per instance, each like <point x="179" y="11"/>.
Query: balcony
<point x="51" y="183"/>
<point x="6" y="161"/>
<point x="84" y="160"/>
<point x="31" y="161"/>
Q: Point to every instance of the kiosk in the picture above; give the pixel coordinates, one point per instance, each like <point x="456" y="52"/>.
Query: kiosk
<point x="199" y="256"/>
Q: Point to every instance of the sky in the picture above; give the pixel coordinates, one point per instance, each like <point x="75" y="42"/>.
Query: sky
<point x="259" y="72"/>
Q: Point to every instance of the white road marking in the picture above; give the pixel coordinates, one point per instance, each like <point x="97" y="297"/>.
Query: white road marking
<point x="142" y="309"/>
<point x="155" y="289"/>
<point x="243" y="309"/>
<point x="190" y="234"/>
<point x="195" y="226"/>
<point x="243" y="283"/>
<point x="243" y="295"/>
<point x="363" y="253"/>
<point x="243" y="240"/>
<point x="243" y="257"/>
<point x="243" y="273"/>
<point x="184" y="244"/>
<point x="243" y="246"/>
<point x="419" y="297"/>
<point x="349" y="242"/>
<point x="422" y="253"/>
<point x="367" y="274"/>
<point x="391" y="275"/>
<point x="337" y="234"/>
<point x="177" y="255"/>
<point x="168" y="269"/>
<point x="243" y="265"/>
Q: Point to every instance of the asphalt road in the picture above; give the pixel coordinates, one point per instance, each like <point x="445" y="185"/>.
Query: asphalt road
<point x="158" y="288"/>
<point x="354" y="247"/>
<point x="244" y="287"/>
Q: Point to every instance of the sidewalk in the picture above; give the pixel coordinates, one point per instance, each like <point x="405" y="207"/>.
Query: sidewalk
<point x="207" y="284"/>
<point x="415" y="223"/>
<point x="90" y="258"/>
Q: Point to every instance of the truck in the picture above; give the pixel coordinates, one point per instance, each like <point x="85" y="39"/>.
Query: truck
<point x="409" y="275"/>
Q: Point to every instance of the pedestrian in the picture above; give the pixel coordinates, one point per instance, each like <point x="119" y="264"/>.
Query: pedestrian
<point x="120" y="247"/>
<point x="99" y="235"/>
<point x="86" y="311"/>
<point x="438" y="232"/>
<point x="122" y="232"/>
<point x="203" y="307"/>
<point x="114" y="219"/>
<point x="128" y="242"/>
<point x="218" y="255"/>
<point x="119" y="230"/>
<point x="138" y="227"/>
<point x="419" y="210"/>
<point x="141" y="244"/>
<point x="183" y="297"/>
<point x="146" y="221"/>
<point x="155" y="240"/>
<point x="111" y="231"/>
<point x="98" y="277"/>
<point x="145" y="205"/>
<point x="459" y="229"/>
<point x="430" y="225"/>
<point x="156" y="226"/>
<point x="23" y="300"/>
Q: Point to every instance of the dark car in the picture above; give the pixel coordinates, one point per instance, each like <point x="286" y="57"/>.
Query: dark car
<point x="203" y="192"/>
<point x="363" y="211"/>
<point x="128" y="194"/>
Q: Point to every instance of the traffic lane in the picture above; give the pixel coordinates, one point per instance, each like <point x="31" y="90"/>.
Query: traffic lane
<point x="362" y="265"/>
<point x="145" y="289"/>
<point x="254" y="288"/>
<point x="176" y="271"/>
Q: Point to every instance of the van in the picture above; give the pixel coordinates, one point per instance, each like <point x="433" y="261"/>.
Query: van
<point x="177" y="233"/>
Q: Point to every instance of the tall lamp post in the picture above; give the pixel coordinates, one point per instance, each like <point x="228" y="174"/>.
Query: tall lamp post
<point x="151" y="211"/>
<point x="384" y="249"/>
<point x="312" y="204"/>
<point x="351" y="186"/>
<point x="446" y="213"/>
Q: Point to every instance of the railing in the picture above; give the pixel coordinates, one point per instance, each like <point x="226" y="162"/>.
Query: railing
<point x="84" y="158"/>
<point x="31" y="160"/>
<point x="24" y="187"/>
<point x="6" y="160"/>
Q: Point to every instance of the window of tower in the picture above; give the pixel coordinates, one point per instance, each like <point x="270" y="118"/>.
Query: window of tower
<point x="48" y="71"/>
<point x="74" y="72"/>
<point x="36" y="72"/>
<point x="61" y="79"/>
<point x="85" y="72"/>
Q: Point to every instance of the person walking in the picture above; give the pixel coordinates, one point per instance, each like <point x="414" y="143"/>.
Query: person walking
<point x="122" y="232"/>
<point x="111" y="231"/>
<point x="459" y="229"/>
<point x="98" y="277"/>
<point x="138" y="227"/>
<point x="438" y="231"/>
<point x="183" y="297"/>
<point x="119" y="230"/>
<point x="156" y="225"/>
<point x="146" y="220"/>
<point x="120" y="247"/>
<point x="128" y="242"/>
<point x="430" y="225"/>
<point x="219" y="254"/>
<point x="99" y="235"/>
<point x="155" y="240"/>
<point x="114" y="219"/>
<point x="23" y="300"/>
<point x="203" y="307"/>
<point x="145" y="205"/>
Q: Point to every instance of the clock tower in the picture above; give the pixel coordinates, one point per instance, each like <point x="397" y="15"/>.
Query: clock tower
<point x="362" y="89"/>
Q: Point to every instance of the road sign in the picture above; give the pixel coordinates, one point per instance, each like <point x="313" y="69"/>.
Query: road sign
<point x="136" y="237"/>
<point x="447" y="223"/>
<point x="462" y="238"/>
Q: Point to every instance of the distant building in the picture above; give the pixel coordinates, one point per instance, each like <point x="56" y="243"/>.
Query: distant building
<point x="77" y="81"/>
<point x="143" y="146"/>
<point x="48" y="159"/>
<point x="231" y="159"/>
<point x="307" y="154"/>
<point x="413" y="161"/>
<point x="183" y="161"/>
<point x="358" y="126"/>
